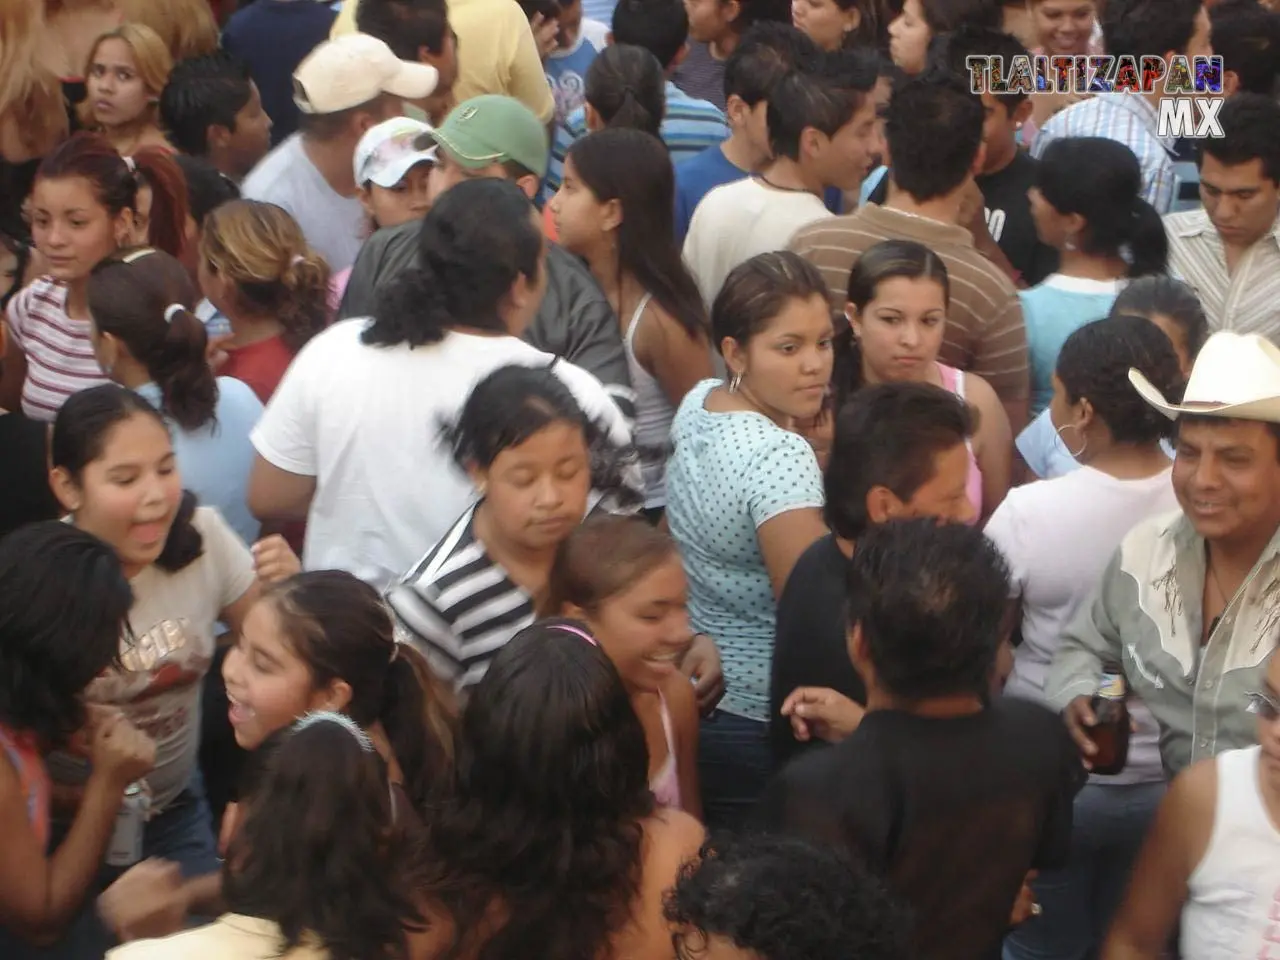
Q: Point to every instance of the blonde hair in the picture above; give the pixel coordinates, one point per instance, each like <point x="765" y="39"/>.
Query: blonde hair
<point x="30" y="93"/>
<point x="261" y="249"/>
<point x="150" y="58"/>
<point x="186" y="27"/>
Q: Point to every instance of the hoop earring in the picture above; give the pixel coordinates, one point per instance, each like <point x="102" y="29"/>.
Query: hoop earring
<point x="735" y="382"/>
<point x="1073" y="454"/>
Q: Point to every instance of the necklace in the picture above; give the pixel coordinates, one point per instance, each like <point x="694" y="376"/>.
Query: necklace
<point x="777" y="186"/>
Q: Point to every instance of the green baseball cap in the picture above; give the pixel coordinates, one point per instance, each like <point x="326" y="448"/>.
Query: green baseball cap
<point x="491" y="129"/>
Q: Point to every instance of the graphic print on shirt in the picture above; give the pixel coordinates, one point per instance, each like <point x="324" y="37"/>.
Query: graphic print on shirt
<point x="157" y="669"/>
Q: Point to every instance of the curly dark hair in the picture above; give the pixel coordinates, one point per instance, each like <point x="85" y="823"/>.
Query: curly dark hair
<point x="783" y="899"/>
<point x="930" y="601"/>
<point x="546" y="818"/>
<point x="320" y="850"/>
<point x="64" y="601"/>
<point x="1094" y="364"/>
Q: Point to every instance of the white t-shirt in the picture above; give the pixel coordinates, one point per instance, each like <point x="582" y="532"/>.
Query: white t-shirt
<point x="1058" y="536"/>
<point x="158" y="685"/>
<point x="366" y="421"/>
<point x="740" y="220"/>
<point x="332" y="223"/>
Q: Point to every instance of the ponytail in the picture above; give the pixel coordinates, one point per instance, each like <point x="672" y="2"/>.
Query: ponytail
<point x="1101" y="180"/>
<point x="477" y="240"/>
<point x="1148" y="243"/>
<point x="144" y="298"/>
<point x="156" y="168"/>
<point x="625" y="87"/>
<point x="340" y="627"/>
<point x="262" y="251"/>
<point x="417" y="715"/>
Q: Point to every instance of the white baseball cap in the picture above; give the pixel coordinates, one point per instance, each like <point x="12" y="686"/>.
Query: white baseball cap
<point x="386" y="152"/>
<point x="354" y="69"/>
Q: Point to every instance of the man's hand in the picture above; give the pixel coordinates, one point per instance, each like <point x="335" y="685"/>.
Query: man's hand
<point x="1080" y="720"/>
<point x="702" y="665"/>
<point x="821" y="713"/>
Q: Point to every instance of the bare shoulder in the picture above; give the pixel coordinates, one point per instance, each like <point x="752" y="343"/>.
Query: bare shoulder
<point x="673" y="837"/>
<point x="1194" y="792"/>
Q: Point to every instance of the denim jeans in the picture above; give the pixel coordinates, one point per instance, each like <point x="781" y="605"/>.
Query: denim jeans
<point x="1078" y="901"/>
<point x="734" y="765"/>
<point x="181" y="833"/>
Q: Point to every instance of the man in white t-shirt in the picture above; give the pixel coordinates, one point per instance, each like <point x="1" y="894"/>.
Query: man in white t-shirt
<point x="821" y="123"/>
<point x="354" y="439"/>
<point x="342" y="89"/>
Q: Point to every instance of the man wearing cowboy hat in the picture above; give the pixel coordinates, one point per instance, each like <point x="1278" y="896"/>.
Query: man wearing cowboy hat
<point x="1189" y="606"/>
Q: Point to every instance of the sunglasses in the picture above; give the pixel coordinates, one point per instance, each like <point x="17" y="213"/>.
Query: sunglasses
<point x="1265" y="706"/>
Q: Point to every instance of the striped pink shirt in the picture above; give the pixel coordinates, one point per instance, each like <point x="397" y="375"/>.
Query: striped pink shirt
<point x="59" y="354"/>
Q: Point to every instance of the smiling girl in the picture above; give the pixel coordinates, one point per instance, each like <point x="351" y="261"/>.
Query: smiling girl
<point x="87" y="204"/>
<point x="115" y="472"/>
<point x="624" y="580"/>
<point x="126" y="72"/>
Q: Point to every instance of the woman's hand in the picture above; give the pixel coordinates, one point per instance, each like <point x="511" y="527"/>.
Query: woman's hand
<point x="822" y="714"/>
<point x="274" y="560"/>
<point x="702" y="665"/>
<point x="1025" y="907"/>
<point x="118" y="749"/>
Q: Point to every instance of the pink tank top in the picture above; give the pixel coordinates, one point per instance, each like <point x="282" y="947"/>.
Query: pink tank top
<point x="666" y="782"/>
<point x="33" y="778"/>
<point x="953" y="380"/>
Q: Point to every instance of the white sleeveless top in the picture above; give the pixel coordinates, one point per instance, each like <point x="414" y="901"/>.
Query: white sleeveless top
<point x="1234" y="892"/>
<point x="654" y="414"/>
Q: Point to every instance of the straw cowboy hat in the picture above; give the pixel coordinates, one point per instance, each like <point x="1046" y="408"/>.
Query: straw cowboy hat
<point x="1235" y="376"/>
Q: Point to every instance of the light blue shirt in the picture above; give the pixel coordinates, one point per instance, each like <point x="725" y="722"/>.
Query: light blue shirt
<point x="728" y="475"/>
<point x="689" y="126"/>
<point x="1052" y="310"/>
<point x="215" y="459"/>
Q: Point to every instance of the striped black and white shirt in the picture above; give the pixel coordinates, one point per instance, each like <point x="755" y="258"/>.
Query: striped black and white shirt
<point x="458" y="607"/>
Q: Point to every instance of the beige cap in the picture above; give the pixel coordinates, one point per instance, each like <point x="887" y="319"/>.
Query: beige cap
<point x="354" y="69"/>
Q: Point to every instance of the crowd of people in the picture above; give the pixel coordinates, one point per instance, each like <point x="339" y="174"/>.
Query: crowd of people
<point x="635" y="480"/>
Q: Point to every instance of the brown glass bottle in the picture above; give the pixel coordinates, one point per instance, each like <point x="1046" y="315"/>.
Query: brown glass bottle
<point x="1111" y="732"/>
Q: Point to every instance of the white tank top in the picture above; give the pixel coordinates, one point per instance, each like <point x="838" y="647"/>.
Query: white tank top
<point x="654" y="414"/>
<point x="1233" y="907"/>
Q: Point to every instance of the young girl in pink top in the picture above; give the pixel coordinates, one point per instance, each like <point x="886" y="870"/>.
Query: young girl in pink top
<point x="624" y="580"/>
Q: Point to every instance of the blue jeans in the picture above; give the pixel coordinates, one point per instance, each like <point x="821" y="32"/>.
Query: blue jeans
<point x="181" y="833"/>
<point x="734" y="766"/>
<point x="1078" y="901"/>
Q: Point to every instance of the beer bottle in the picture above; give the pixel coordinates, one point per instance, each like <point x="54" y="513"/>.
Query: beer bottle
<point x="1111" y="732"/>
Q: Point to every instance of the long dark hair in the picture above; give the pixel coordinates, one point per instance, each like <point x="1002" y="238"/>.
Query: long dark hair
<point x="1168" y="297"/>
<point x="320" y="850"/>
<point x="1100" y="180"/>
<point x="145" y="298"/>
<point x="80" y="432"/>
<point x="340" y="627"/>
<point x="634" y="168"/>
<point x="547" y="815"/>
<point x="882" y="261"/>
<point x="475" y="241"/>
<point x="64" y="602"/>
<point x="625" y="86"/>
